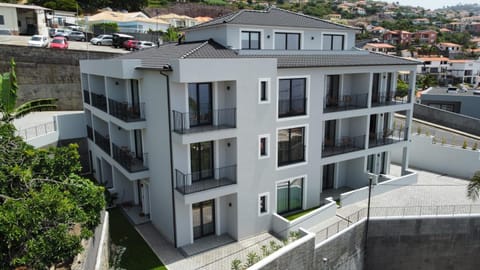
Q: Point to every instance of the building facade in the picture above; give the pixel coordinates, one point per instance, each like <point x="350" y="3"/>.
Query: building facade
<point x="253" y="115"/>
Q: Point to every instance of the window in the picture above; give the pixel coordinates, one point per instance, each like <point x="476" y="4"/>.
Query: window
<point x="289" y="195"/>
<point x="264" y="149"/>
<point x="333" y="42"/>
<point x="250" y="40"/>
<point x="287" y="41"/>
<point x="292" y="97"/>
<point x="291" y="146"/>
<point x="263" y="204"/>
<point x="264" y="91"/>
<point x="2" y="20"/>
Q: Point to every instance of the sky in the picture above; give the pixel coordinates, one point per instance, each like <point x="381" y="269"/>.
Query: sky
<point x="433" y="4"/>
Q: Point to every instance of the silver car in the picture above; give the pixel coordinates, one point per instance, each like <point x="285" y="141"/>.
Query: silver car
<point x="102" y="40"/>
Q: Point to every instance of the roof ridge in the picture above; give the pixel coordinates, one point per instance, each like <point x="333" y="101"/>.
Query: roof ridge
<point x="194" y="50"/>
<point x="235" y="14"/>
<point x="314" y="18"/>
<point x="396" y="57"/>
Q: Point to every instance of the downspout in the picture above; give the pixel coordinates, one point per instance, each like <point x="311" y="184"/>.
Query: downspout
<point x="171" y="158"/>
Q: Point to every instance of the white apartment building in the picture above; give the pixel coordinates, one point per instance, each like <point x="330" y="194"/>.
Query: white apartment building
<point x="435" y="66"/>
<point x="254" y="113"/>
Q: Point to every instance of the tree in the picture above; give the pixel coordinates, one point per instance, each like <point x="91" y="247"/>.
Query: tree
<point x="46" y="208"/>
<point x="8" y="98"/>
<point x="473" y="188"/>
<point x="426" y="81"/>
<point x="402" y="88"/>
<point x="171" y="35"/>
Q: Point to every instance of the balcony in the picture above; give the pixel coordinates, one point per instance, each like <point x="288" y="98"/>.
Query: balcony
<point x="86" y="96"/>
<point x="218" y="177"/>
<point x="128" y="159"/>
<point x="90" y="132"/>
<point x="204" y="121"/>
<point x="125" y="111"/>
<point x="292" y="107"/>
<point x="390" y="99"/>
<point x="345" y="103"/>
<point x="343" y="145"/>
<point x="386" y="137"/>
<point x="102" y="142"/>
<point x="99" y="101"/>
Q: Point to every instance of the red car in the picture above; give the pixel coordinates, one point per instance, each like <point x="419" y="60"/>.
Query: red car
<point x="130" y="45"/>
<point x="59" y="43"/>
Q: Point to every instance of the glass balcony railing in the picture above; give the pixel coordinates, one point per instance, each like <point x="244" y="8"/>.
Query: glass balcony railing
<point x="343" y="145"/>
<point x="388" y="99"/>
<point x="205" y="179"/>
<point x="192" y="122"/>
<point x="125" y="111"/>
<point x="128" y="159"/>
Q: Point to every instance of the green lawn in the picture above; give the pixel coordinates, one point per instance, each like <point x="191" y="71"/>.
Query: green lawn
<point x="299" y="214"/>
<point x="137" y="254"/>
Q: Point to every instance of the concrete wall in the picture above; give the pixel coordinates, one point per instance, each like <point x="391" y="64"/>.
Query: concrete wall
<point x="469" y="103"/>
<point x="452" y="120"/>
<point x="45" y="73"/>
<point x="424" y="154"/>
<point x="435" y="243"/>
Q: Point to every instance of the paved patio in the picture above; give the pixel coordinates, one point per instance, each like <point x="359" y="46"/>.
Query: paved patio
<point x="431" y="190"/>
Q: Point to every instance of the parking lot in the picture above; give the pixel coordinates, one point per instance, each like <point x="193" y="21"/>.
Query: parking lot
<point x="72" y="45"/>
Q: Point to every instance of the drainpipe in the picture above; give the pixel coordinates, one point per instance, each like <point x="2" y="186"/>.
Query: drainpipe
<point x="171" y="158"/>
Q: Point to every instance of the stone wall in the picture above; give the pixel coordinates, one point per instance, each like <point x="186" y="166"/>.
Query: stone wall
<point x="46" y="73"/>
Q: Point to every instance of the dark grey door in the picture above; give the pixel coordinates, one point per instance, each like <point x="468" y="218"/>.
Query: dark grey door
<point x="203" y="217"/>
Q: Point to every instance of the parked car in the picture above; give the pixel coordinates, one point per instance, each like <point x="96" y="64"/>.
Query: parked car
<point x="130" y="44"/>
<point x="38" y="41"/>
<point x="5" y="32"/>
<point x="119" y="39"/>
<point x="144" y="45"/>
<point x="76" y="35"/>
<point x="102" y="40"/>
<point x="52" y="32"/>
<point x="59" y="43"/>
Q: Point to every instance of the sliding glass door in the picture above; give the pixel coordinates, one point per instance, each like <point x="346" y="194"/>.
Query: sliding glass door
<point x="201" y="160"/>
<point x="289" y="196"/>
<point x="200" y="104"/>
<point x="203" y="218"/>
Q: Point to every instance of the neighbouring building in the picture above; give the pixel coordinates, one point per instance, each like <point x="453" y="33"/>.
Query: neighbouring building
<point x="380" y="47"/>
<point x="132" y="22"/>
<point x="397" y="37"/>
<point x="455" y="100"/>
<point x="434" y="66"/>
<point x="24" y="19"/>
<point x="425" y="37"/>
<point x="463" y="71"/>
<point x="178" y="21"/>
<point x="449" y="49"/>
<point x="254" y="115"/>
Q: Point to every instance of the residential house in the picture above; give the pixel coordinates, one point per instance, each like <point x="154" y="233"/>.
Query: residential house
<point x="252" y="117"/>
<point x="24" y="19"/>
<point x="425" y="37"/>
<point x="333" y="16"/>
<point x="453" y="99"/>
<point x="420" y="21"/>
<point x="397" y="37"/>
<point x="434" y="66"/>
<point x="132" y="22"/>
<point x="62" y="18"/>
<point x="456" y="26"/>
<point x="449" y="49"/>
<point x="178" y="21"/>
<point x="463" y="71"/>
<point x="380" y="47"/>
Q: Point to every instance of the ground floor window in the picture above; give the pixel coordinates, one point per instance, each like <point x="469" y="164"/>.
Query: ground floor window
<point x="289" y="195"/>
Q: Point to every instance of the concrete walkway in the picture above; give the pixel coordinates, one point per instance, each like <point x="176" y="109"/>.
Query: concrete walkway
<point x="431" y="190"/>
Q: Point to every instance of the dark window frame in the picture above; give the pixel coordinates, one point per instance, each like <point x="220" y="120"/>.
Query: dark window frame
<point x="250" y="40"/>
<point x="291" y="112"/>
<point x="263" y="204"/>
<point x="290" y="148"/>
<point x="263" y="147"/>
<point x="285" y="45"/>
<point x="330" y="48"/>
<point x="263" y="91"/>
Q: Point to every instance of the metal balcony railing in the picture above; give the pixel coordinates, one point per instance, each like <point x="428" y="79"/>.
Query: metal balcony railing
<point x="205" y="179"/>
<point x="128" y="112"/>
<point x="343" y="145"/>
<point x="99" y="101"/>
<point x="387" y="137"/>
<point x="90" y="132"/>
<point x="86" y="96"/>
<point x="292" y="107"/>
<point x="388" y="99"/>
<point x="128" y="159"/>
<point x="345" y="102"/>
<point x="102" y="142"/>
<point x="191" y="122"/>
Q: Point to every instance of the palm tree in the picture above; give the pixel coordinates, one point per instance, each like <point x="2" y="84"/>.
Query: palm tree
<point x="473" y="188"/>
<point x="8" y="98"/>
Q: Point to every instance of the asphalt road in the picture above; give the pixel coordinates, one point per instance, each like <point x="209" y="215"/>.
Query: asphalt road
<point x="72" y="45"/>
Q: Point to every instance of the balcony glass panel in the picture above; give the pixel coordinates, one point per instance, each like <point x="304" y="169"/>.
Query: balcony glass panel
<point x="391" y="98"/>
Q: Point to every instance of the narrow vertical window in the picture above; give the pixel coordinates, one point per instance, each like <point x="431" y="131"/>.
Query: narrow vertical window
<point x="264" y="91"/>
<point x="263" y="151"/>
<point x="263" y="204"/>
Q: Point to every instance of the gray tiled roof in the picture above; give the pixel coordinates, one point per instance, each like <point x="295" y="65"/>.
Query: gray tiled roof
<point x="273" y="17"/>
<point x="159" y="58"/>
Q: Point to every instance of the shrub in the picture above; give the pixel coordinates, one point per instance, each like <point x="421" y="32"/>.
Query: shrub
<point x="464" y="145"/>
<point x="443" y="140"/>
<point x="265" y="251"/>
<point x="252" y="258"/>
<point x="236" y="264"/>
<point x="419" y="130"/>
<point x="474" y="147"/>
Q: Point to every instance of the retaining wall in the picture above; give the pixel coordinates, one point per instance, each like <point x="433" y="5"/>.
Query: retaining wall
<point x="47" y="73"/>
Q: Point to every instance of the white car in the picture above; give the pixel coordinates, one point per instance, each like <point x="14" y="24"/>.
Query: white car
<point x="102" y="40"/>
<point x="144" y="45"/>
<point x="38" y="41"/>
